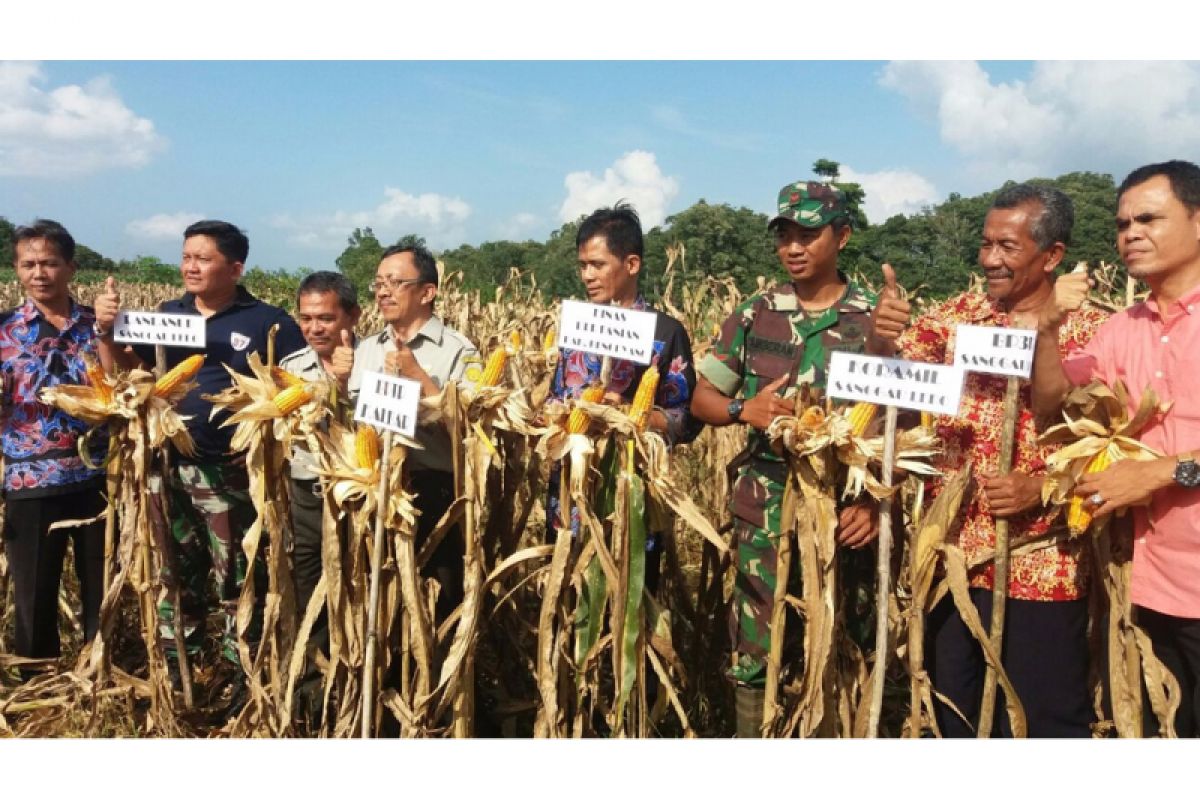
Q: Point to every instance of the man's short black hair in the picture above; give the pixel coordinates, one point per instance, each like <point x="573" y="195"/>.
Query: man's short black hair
<point x="52" y="232"/>
<point x="230" y="240"/>
<point x="1056" y="218"/>
<point x="620" y="227"/>
<point x="327" y="281"/>
<point x="1183" y="175"/>
<point x="424" y="261"/>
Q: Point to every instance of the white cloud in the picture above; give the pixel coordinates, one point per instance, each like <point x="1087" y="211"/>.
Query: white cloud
<point x="635" y="177"/>
<point x="69" y="130"/>
<point x="891" y="192"/>
<point x="1103" y="116"/>
<point x="440" y="219"/>
<point x="518" y="226"/>
<point x="163" y="226"/>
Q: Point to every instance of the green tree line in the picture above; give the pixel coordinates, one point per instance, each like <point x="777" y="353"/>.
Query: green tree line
<point x="934" y="248"/>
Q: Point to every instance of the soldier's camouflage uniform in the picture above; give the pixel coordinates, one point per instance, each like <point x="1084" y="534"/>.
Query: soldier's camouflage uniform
<point x="765" y="338"/>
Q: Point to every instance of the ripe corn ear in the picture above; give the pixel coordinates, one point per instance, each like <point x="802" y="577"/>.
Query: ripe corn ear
<point x="285" y="378"/>
<point x="97" y="379"/>
<point x="578" y="421"/>
<point x="366" y="446"/>
<point x="494" y="368"/>
<point x="812" y="417"/>
<point x="514" y="339"/>
<point x="549" y="340"/>
<point x="292" y="398"/>
<point x="643" y="399"/>
<point x="1079" y="513"/>
<point x="927" y="420"/>
<point x="183" y="371"/>
<point x="861" y="417"/>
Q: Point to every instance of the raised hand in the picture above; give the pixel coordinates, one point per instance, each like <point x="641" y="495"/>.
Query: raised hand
<point x="1070" y="291"/>
<point x="765" y="406"/>
<point x="107" y="305"/>
<point x="341" y="362"/>
<point x="890" y="317"/>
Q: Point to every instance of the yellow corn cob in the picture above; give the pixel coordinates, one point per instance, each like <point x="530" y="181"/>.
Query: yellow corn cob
<point x="927" y="420"/>
<point x="643" y="399"/>
<point x="292" y="398"/>
<point x="861" y="416"/>
<point x="1079" y="514"/>
<point x="285" y="378"/>
<point x="514" y="339"/>
<point x="578" y="421"/>
<point x="549" y="340"/>
<point x="97" y="378"/>
<point x="494" y="368"/>
<point x="812" y="417"/>
<point x="366" y="446"/>
<point x="183" y="371"/>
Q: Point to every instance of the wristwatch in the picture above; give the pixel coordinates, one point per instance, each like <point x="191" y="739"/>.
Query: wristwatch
<point x="100" y="332"/>
<point x="735" y="409"/>
<point x="1187" y="471"/>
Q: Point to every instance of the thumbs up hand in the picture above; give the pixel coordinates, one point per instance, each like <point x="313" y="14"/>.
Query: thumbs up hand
<point x="890" y="317"/>
<point x="107" y="306"/>
<point x="342" y="361"/>
<point x="1070" y="291"/>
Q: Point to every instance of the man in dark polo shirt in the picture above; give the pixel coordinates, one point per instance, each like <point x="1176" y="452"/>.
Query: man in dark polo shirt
<point x="207" y="493"/>
<point x="45" y="479"/>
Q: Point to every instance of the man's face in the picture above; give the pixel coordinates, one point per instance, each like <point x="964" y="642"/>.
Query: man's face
<point x="605" y="276"/>
<point x="44" y="274"/>
<point x="1012" y="263"/>
<point x="322" y="320"/>
<point x="205" y="270"/>
<point x="1155" y="233"/>
<point x="399" y="292"/>
<point x="808" y="253"/>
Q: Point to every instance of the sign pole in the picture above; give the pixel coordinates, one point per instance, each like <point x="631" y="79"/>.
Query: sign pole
<point x="883" y="576"/>
<point x="1000" y="575"/>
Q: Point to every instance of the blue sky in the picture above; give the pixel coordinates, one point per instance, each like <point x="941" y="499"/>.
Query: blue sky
<point x="299" y="153"/>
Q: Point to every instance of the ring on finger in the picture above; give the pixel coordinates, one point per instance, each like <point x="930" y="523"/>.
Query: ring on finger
<point x="1096" y="499"/>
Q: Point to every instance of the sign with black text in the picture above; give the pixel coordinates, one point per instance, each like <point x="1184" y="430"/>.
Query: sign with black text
<point x="607" y="331"/>
<point x="895" y="382"/>
<point x="998" y="351"/>
<point x="388" y="402"/>
<point x="153" y="327"/>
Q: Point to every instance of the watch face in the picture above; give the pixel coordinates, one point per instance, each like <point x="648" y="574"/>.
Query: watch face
<point x="1187" y="473"/>
<point x="735" y="409"/>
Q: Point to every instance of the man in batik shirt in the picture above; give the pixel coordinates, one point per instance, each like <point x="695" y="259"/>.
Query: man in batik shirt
<point x="1025" y="236"/>
<point x="609" y="246"/>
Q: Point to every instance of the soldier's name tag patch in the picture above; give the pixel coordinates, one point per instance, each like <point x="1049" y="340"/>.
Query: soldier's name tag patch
<point x="240" y="341"/>
<point x="775" y="348"/>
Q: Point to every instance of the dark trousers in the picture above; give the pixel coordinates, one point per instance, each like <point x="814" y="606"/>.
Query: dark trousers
<point x="1176" y="642"/>
<point x="306" y="556"/>
<point x="35" y="561"/>
<point x="435" y="493"/>
<point x="1045" y="654"/>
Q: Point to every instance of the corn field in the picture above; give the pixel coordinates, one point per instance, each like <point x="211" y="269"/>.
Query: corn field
<point x="552" y="635"/>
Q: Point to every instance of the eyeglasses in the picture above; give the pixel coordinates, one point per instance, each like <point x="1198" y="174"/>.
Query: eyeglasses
<point x="391" y="284"/>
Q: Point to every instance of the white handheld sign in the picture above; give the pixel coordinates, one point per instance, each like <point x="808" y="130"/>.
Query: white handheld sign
<point x="895" y="382"/>
<point x="999" y="351"/>
<point x="607" y="331"/>
<point x="388" y="402"/>
<point x="153" y="327"/>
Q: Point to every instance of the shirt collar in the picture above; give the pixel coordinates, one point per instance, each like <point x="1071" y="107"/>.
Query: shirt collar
<point x="30" y="312"/>
<point x="1188" y="303"/>
<point x="431" y="330"/>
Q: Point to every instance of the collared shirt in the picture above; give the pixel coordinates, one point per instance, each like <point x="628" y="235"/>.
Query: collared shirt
<point x="444" y="354"/>
<point x="771" y="335"/>
<point x="40" y="442"/>
<point x="304" y="364"/>
<point x="1147" y="346"/>
<point x="672" y="358"/>
<point x="231" y="335"/>
<point x="1056" y="572"/>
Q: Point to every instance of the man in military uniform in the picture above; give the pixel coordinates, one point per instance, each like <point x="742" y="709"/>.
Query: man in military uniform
<point x="770" y="346"/>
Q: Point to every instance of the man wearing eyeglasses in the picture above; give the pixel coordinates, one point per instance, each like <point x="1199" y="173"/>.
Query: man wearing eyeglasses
<point x="417" y="345"/>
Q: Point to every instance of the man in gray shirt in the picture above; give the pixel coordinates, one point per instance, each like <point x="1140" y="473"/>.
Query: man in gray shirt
<point x="417" y="345"/>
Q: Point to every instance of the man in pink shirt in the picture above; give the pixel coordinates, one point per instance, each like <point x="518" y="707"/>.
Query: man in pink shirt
<point x="1155" y="344"/>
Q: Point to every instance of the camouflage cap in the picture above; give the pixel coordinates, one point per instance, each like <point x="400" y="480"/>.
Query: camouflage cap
<point x="810" y="204"/>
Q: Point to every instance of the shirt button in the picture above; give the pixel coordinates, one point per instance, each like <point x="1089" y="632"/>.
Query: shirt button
<point x="1189" y="309"/>
<point x="1165" y="339"/>
<point x="1158" y="374"/>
